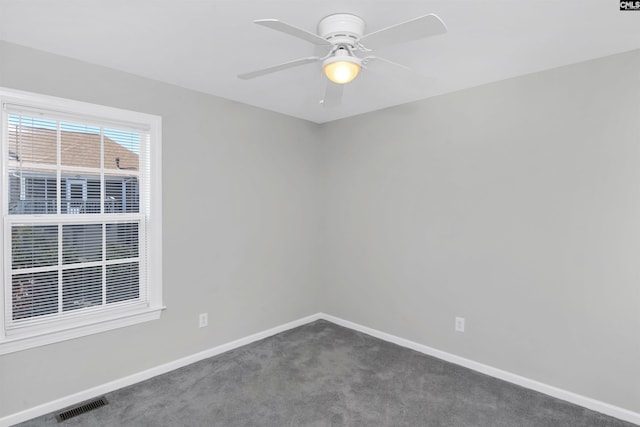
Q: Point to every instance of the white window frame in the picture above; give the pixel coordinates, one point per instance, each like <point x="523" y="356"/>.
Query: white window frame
<point x="38" y="334"/>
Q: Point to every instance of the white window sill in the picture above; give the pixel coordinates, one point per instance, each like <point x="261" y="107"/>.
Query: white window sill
<point x="11" y="344"/>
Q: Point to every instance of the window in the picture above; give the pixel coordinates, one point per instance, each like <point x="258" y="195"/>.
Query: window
<point x="82" y="219"/>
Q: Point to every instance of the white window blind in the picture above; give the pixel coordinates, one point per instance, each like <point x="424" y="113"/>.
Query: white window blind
<point x="77" y="192"/>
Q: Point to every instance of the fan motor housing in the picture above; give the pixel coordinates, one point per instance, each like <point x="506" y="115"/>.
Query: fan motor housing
<point x="341" y="28"/>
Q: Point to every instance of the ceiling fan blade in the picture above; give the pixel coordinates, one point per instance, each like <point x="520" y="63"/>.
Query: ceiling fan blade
<point x="417" y="28"/>
<point x="276" y="24"/>
<point x="332" y="95"/>
<point x="279" y="67"/>
<point x="370" y="59"/>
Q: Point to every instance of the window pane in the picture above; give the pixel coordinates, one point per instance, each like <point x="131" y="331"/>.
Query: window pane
<point x="34" y="246"/>
<point x="81" y="288"/>
<point x="121" y="194"/>
<point x="80" y="145"/>
<point x="122" y="240"/>
<point x="34" y="294"/>
<point x="81" y="243"/>
<point x="32" y="192"/>
<point x="31" y="140"/>
<point x="80" y="193"/>
<point x="121" y="150"/>
<point x="123" y="282"/>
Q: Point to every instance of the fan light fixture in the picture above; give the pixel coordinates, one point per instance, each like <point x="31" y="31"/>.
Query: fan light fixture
<point x="342" y="68"/>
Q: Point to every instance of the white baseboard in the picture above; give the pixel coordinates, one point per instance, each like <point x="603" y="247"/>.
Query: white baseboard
<point x="587" y="402"/>
<point x="72" y="399"/>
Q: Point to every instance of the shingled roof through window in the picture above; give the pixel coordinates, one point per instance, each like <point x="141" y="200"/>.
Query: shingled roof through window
<point x="77" y="149"/>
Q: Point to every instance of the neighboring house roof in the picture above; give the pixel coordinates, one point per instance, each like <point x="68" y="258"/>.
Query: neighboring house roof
<point x="38" y="145"/>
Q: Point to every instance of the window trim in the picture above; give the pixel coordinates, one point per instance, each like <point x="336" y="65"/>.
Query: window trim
<point x="43" y="334"/>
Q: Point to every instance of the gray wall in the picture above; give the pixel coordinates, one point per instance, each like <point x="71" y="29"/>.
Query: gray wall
<point x="240" y="230"/>
<point x="515" y="205"/>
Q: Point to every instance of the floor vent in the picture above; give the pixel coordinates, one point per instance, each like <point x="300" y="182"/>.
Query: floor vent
<point x="81" y="408"/>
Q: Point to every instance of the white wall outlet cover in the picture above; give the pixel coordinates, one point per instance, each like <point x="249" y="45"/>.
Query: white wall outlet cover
<point x="460" y="324"/>
<point x="203" y="320"/>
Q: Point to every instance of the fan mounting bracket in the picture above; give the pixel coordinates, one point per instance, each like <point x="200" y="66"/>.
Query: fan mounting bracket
<point x="341" y="29"/>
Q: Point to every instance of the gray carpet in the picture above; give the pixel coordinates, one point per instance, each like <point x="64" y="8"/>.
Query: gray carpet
<point x="322" y="374"/>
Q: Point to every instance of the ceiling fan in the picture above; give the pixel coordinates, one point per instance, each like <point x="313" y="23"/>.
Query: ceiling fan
<point x="348" y="48"/>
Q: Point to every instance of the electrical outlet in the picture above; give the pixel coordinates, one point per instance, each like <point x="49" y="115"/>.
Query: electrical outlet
<point x="460" y="324"/>
<point x="204" y="320"/>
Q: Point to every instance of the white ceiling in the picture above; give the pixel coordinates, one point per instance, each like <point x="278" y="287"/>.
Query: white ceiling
<point x="204" y="44"/>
